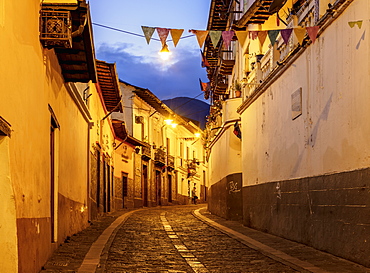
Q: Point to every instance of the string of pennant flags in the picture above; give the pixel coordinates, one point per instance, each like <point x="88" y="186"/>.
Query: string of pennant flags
<point x="228" y="35"/>
<point x="242" y="36"/>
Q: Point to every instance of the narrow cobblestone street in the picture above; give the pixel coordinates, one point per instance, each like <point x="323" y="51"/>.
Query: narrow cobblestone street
<point x="185" y="239"/>
<point x="173" y="240"/>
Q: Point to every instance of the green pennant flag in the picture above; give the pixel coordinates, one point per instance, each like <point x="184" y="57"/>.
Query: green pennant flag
<point x="273" y="35"/>
<point x="148" y="33"/>
<point x="215" y="36"/>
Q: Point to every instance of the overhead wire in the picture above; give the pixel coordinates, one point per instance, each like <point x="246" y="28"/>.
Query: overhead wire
<point x="135" y="34"/>
<point x="155" y="39"/>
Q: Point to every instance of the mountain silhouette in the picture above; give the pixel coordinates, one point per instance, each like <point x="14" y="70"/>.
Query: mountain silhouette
<point x="190" y="108"/>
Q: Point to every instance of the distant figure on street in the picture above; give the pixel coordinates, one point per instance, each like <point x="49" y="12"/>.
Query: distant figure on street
<point x="194" y="195"/>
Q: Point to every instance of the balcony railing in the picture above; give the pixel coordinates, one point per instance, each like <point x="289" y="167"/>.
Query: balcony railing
<point x="146" y="152"/>
<point x="227" y="62"/>
<point x="160" y="157"/>
<point x="55" y="28"/>
<point x="170" y="162"/>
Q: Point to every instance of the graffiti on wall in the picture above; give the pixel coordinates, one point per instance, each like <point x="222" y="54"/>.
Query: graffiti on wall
<point x="233" y="187"/>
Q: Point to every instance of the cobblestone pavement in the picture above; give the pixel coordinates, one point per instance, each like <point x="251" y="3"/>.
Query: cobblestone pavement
<point x="171" y="239"/>
<point x="185" y="239"/>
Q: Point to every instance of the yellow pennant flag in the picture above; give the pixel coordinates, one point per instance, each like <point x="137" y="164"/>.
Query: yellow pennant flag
<point x="201" y="35"/>
<point x="300" y="32"/>
<point x="176" y="35"/>
<point x="242" y="37"/>
<point x="351" y="24"/>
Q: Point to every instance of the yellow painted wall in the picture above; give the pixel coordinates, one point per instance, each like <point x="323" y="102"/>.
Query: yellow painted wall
<point x="31" y="81"/>
<point x="8" y="234"/>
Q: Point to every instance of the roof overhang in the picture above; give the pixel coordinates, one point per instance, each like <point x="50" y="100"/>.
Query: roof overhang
<point x="257" y="13"/>
<point x="152" y="100"/>
<point x="109" y="86"/>
<point x="78" y="62"/>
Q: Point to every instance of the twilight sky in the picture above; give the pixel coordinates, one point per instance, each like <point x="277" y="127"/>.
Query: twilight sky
<point x="139" y="63"/>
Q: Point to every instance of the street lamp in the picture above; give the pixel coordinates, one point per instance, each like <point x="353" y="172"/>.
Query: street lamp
<point x="165" y="52"/>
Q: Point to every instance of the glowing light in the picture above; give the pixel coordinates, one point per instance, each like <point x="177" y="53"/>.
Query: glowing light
<point x="174" y="125"/>
<point x="168" y="121"/>
<point x="165" y="52"/>
<point x="197" y="134"/>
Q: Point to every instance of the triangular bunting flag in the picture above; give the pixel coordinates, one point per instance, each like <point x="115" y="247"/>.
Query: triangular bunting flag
<point x="201" y="35"/>
<point x="312" y="32"/>
<point x="215" y="36"/>
<point x="351" y="24"/>
<point x="242" y="37"/>
<point x="163" y="34"/>
<point x="359" y="24"/>
<point x="285" y="33"/>
<point x="300" y="32"/>
<point x="204" y="60"/>
<point x="253" y="34"/>
<point x="204" y="86"/>
<point x="262" y="36"/>
<point x="227" y="36"/>
<point x="176" y="35"/>
<point x="273" y="35"/>
<point x="148" y="32"/>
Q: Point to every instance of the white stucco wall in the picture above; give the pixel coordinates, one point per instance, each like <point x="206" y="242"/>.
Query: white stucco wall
<point x="332" y="133"/>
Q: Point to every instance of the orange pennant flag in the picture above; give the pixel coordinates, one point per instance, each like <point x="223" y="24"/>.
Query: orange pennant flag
<point x="300" y="32"/>
<point x="201" y="35"/>
<point x="312" y="32"/>
<point x="262" y="36"/>
<point x="176" y="35"/>
<point x="242" y="37"/>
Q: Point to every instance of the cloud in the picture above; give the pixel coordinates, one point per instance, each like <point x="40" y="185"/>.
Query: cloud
<point x="144" y="68"/>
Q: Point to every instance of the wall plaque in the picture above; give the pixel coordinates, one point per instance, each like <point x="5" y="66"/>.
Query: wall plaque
<point x="296" y="103"/>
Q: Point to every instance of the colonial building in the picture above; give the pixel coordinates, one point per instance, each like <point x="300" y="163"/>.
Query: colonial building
<point x="303" y="154"/>
<point x="171" y="160"/>
<point x="44" y="128"/>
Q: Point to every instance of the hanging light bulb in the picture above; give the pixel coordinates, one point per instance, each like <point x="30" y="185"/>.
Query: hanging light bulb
<point x="165" y="52"/>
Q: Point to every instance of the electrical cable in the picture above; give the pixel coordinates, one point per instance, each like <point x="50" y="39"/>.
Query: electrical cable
<point x="135" y="34"/>
<point x="186" y="102"/>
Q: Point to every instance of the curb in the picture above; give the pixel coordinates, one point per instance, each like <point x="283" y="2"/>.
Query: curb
<point x="275" y="254"/>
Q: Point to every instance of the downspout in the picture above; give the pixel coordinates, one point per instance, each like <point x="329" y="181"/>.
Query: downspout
<point x="80" y="29"/>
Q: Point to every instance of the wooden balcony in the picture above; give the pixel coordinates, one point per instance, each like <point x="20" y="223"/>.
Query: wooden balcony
<point x="68" y="29"/>
<point x="227" y="62"/>
<point x="170" y="162"/>
<point x="146" y="152"/>
<point x="159" y="157"/>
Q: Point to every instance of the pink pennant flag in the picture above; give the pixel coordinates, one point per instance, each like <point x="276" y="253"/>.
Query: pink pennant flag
<point x="163" y="34"/>
<point x="312" y="32"/>
<point x="201" y="35"/>
<point x="176" y="35"/>
<point x="253" y="34"/>
<point x="285" y="33"/>
<point x="227" y="36"/>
